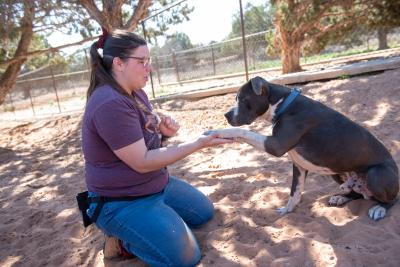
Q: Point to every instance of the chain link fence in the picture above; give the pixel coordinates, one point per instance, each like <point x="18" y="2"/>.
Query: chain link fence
<point x="61" y="88"/>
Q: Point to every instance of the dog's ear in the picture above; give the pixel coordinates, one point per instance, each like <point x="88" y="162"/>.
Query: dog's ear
<point x="259" y="85"/>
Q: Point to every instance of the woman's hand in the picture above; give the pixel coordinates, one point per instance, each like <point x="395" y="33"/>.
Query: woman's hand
<point x="168" y="126"/>
<point x="212" y="140"/>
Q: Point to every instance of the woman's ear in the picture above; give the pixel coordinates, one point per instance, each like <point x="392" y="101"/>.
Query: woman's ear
<point x="118" y="64"/>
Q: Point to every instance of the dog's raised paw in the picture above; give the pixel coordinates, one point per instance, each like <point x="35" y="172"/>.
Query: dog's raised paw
<point x="377" y="212"/>
<point x="338" y="200"/>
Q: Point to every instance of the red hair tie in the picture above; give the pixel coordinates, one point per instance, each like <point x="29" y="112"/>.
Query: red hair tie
<point x="102" y="38"/>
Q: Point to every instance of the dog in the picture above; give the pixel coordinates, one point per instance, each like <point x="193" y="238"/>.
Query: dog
<point x="317" y="139"/>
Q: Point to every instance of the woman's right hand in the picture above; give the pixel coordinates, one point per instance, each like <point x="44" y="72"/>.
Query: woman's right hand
<point x="212" y="140"/>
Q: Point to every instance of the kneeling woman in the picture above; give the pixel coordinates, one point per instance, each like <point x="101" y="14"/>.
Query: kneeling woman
<point x="124" y="161"/>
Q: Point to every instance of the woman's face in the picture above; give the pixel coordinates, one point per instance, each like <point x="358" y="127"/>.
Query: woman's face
<point x="136" y="70"/>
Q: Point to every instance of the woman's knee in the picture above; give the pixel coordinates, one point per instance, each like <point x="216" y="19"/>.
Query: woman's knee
<point x="206" y="213"/>
<point x="189" y="257"/>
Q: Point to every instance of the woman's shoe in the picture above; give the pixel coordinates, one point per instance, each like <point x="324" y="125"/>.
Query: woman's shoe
<point x="113" y="248"/>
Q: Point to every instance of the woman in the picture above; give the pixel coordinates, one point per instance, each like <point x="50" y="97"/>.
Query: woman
<point x="147" y="213"/>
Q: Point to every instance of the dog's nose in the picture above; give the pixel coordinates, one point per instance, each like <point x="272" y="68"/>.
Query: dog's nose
<point x="227" y="115"/>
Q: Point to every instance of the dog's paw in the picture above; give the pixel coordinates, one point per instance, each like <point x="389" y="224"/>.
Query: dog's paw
<point x="338" y="200"/>
<point x="377" y="212"/>
<point x="283" y="210"/>
<point x="229" y="133"/>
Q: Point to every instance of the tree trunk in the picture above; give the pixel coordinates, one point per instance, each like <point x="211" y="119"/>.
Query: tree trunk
<point x="382" y="37"/>
<point x="290" y="56"/>
<point x="9" y="77"/>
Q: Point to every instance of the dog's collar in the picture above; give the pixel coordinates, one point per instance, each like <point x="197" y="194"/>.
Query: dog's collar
<point x="286" y="103"/>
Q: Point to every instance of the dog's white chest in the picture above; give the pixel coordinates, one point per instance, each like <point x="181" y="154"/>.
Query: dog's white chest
<point x="303" y="163"/>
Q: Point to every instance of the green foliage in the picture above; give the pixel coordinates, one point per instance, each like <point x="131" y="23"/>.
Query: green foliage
<point x="384" y="13"/>
<point x="159" y="24"/>
<point x="177" y="42"/>
<point x="256" y="19"/>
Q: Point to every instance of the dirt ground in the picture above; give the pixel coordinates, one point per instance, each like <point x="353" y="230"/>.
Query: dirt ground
<point x="41" y="170"/>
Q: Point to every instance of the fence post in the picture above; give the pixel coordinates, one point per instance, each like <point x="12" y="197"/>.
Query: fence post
<point x="12" y="105"/>
<point x="151" y="73"/>
<point x="87" y="63"/>
<point x="244" y="41"/>
<point x="213" y="59"/>
<point x="30" y="98"/>
<point x="175" y="66"/>
<point x="55" y="88"/>
<point x="87" y="59"/>
<point x="158" y="70"/>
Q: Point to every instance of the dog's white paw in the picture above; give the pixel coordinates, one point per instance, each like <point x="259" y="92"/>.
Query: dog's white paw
<point x="220" y="133"/>
<point x="377" y="212"/>
<point x="229" y="133"/>
<point x="283" y="210"/>
<point x="338" y="200"/>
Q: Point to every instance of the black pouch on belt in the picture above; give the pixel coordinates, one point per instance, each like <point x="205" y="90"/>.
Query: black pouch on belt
<point x="83" y="205"/>
<point x="84" y="201"/>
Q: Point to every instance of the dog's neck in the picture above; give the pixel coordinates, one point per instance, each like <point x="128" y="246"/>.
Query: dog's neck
<point x="278" y="97"/>
<point x="270" y="113"/>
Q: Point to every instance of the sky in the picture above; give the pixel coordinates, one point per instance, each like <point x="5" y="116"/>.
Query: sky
<point x="211" y="20"/>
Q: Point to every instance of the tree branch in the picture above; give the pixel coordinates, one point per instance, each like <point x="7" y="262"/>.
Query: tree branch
<point x="43" y="51"/>
<point x="139" y="14"/>
<point x="95" y="13"/>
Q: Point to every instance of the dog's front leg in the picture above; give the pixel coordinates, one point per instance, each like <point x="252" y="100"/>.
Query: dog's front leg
<point x="299" y="177"/>
<point x="254" y="139"/>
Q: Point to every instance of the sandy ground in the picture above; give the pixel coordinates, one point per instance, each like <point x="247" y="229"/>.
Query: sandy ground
<point x="41" y="170"/>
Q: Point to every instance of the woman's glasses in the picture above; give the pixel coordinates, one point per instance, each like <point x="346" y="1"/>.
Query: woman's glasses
<point x="146" y="62"/>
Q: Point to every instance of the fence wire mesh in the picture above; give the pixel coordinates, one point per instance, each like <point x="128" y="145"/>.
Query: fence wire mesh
<point x="199" y="59"/>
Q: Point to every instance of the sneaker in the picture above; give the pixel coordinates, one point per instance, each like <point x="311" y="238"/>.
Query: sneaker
<point x="113" y="248"/>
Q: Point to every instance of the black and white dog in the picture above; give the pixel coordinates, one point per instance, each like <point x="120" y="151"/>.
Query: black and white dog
<point x="317" y="139"/>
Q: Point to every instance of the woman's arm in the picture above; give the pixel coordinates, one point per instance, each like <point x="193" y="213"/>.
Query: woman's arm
<point x="142" y="160"/>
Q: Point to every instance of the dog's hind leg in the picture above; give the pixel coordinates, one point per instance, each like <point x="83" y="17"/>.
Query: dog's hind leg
<point x="347" y="196"/>
<point x="339" y="200"/>
<point x="383" y="183"/>
<point x="298" y="180"/>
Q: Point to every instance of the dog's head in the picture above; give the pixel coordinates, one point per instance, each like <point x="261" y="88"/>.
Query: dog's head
<point x="252" y="102"/>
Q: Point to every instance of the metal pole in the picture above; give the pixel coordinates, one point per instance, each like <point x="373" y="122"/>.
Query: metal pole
<point x="30" y="97"/>
<point x="12" y="105"/>
<point x="151" y="73"/>
<point x="213" y="59"/>
<point x="176" y="66"/>
<point x="87" y="64"/>
<point x="55" y="88"/>
<point x="244" y="41"/>
<point x="158" y="70"/>
<point x="87" y="59"/>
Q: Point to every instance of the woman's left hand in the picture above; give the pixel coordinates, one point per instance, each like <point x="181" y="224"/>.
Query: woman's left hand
<point x="168" y="126"/>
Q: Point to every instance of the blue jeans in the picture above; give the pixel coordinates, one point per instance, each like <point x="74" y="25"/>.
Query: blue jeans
<point x="156" y="228"/>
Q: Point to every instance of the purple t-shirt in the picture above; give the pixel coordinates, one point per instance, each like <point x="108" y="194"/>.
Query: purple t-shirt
<point x="112" y="121"/>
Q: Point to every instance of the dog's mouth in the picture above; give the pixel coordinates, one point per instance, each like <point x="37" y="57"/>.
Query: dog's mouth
<point x="234" y="121"/>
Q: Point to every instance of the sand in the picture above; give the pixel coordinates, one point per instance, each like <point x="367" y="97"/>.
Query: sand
<point x="41" y="170"/>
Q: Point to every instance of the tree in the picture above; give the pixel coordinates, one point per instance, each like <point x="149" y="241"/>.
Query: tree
<point x="177" y="42"/>
<point x="383" y="16"/>
<point x="26" y="13"/>
<point x="20" y="20"/>
<point x="257" y="19"/>
<point x="314" y="21"/>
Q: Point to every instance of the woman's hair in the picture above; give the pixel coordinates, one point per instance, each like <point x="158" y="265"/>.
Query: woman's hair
<point x="120" y="44"/>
